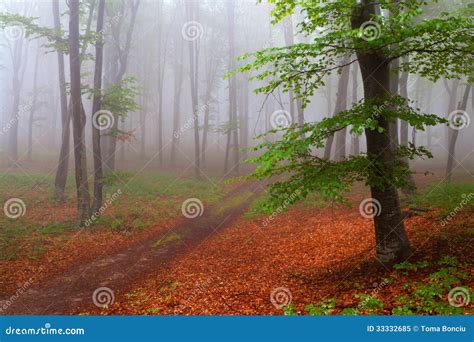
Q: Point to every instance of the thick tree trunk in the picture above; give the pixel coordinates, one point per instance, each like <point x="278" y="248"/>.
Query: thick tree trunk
<point x="79" y="120"/>
<point x="96" y="105"/>
<point x="392" y="244"/>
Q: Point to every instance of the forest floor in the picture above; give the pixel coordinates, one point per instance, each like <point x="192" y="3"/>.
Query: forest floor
<point x="315" y="258"/>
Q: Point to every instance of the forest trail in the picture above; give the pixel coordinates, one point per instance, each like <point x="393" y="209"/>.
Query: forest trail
<point x="76" y="286"/>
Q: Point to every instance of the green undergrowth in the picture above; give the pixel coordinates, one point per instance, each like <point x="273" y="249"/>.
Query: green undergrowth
<point x="443" y="290"/>
<point x="133" y="201"/>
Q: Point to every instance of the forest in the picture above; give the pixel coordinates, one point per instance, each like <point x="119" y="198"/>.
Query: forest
<point x="236" y="157"/>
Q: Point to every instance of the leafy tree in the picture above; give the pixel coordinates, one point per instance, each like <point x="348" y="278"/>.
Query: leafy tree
<point x="363" y="32"/>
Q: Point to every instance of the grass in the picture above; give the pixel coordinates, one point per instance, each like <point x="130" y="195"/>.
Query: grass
<point x="256" y="208"/>
<point x="167" y="239"/>
<point x="145" y="200"/>
<point x="446" y="196"/>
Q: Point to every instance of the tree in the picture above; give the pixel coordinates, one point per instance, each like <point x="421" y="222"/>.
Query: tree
<point x="192" y="13"/>
<point x="78" y="115"/>
<point x="456" y="122"/>
<point x="118" y="68"/>
<point x="178" y="58"/>
<point x="62" y="168"/>
<point x="436" y="47"/>
<point x="96" y="106"/>
<point x="232" y="131"/>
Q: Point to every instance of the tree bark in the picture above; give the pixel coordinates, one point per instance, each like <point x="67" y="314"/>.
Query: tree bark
<point x="453" y="137"/>
<point x="96" y="106"/>
<point x="192" y="14"/>
<point x="355" y="141"/>
<point x="79" y="120"/>
<point x="392" y="244"/>
<point x="341" y="104"/>
<point x="33" y="104"/>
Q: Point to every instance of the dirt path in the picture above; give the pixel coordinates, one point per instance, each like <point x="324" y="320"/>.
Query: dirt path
<point x="76" y="286"/>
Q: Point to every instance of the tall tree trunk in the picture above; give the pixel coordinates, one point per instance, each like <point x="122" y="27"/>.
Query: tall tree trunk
<point x="96" y="106"/>
<point x="19" y="62"/>
<point x="355" y="141"/>
<point x="453" y="137"/>
<point x="395" y="85"/>
<point x="192" y="14"/>
<point x="34" y="101"/>
<point x="120" y="68"/>
<point x="233" y="120"/>
<point x="341" y="104"/>
<point x="392" y="244"/>
<point x="178" y="84"/>
<point x="79" y="120"/>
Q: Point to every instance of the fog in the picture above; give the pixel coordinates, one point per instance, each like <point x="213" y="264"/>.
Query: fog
<point x="174" y="55"/>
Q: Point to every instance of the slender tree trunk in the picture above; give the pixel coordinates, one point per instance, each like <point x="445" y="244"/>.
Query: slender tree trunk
<point x="395" y="85"/>
<point x="178" y="83"/>
<point x="355" y="144"/>
<point x="33" y="107"/>
<point x="192" y="10"/>
<point x="233" y="120"/>
<point x="341" y="104"/>
<point x="63" y="163"/>
<point x="79" y="120"/>
<point x="96" y="106"/>
<point x="454" y="137"/>
<point x="392" y="244"/>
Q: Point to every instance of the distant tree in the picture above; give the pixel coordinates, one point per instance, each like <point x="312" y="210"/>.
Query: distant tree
<point x="232" y="132"/>
<point x="192" y="14"/>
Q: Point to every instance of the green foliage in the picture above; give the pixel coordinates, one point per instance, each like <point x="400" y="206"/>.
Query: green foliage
<point x="434" y="47"/>
<point x="369" y="302"/>
<point x="446" y="196"/>
<point x="322" y="308"/>
<point x="429" y="297"/>
<point x="408" y="266"/>
<point x="291" y="155"/>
